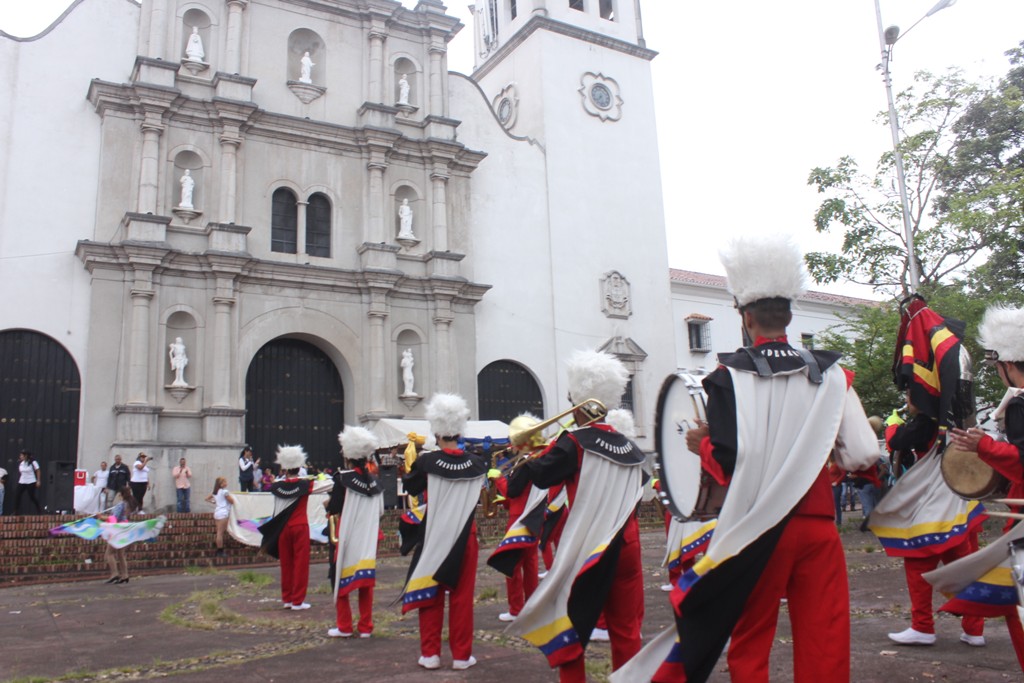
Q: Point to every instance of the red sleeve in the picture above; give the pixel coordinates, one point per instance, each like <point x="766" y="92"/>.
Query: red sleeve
<point x="849" y="377"/>
<point x="1003" y="457"/>
<point x="708" y="462"/>
<point x="501" y="486"/>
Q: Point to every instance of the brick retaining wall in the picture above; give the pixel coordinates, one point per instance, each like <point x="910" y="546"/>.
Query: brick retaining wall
<point x="28" y="554"/>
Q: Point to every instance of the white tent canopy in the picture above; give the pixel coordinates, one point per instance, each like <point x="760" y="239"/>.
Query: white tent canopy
<point x="395" y="432"/>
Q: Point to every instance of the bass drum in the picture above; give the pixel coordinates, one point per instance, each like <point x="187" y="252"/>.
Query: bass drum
<point x="970" y="477"/>
<point x="687" y="491"/>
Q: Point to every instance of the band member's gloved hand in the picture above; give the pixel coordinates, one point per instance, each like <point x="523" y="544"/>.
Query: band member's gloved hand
<point x="493" y="473"/>
<point x="894" y="419"/>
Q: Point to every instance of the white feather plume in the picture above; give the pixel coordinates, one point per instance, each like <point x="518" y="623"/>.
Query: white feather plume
<point x="764" y="267"/>
<point x="622" y="421"/>
<point x="447" y="414"/>
<point x="1002" y="330"/>
<point x="291" y="457"/>
<point x="357" y="443"/>
<point x="595" y="374"/>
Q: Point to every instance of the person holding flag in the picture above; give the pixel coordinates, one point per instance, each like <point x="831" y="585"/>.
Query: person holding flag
<point x="775" y="413"/>
<point x="921" y="520"/>
<point x="357" y="497"/>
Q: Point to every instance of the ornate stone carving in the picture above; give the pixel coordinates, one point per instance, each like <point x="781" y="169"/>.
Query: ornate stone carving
<point x="615" y="295"/>
<point x="506" y="106"/>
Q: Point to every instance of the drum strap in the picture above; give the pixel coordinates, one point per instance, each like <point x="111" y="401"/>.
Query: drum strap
<point x="760" y="363"/>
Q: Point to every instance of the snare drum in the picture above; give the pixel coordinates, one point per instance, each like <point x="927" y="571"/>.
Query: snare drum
<point x="687" y="491"/>
<point x="968" y="476"/>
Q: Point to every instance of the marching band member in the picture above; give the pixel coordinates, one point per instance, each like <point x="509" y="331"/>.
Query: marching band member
<point x="446" y="559"/>
<point x="516" y="554"/>
<point x="775" y="412"/>
<point x="915" y="440"/>
<point x="357" y="498"/>
<point x="985" y="588"/>
<point x="286" y="534"/>
<point x="598" y="565"/>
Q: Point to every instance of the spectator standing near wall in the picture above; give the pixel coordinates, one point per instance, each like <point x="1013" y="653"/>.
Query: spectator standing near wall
<point x="246" y="471"/>
<point x="117" y="478"/>
<point x="183" y="486"/>
<point x="100" y="478"/>
<point x="28" y="481"/>
<point x="140" y="478"/>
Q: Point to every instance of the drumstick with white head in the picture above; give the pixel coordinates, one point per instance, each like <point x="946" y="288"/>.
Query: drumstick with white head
<point x="1009" y="501"/>
<point x="1005" y="515"/>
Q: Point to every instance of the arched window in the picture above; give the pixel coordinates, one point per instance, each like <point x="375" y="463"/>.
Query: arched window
<point x="284" y="222"/>
<point x="318" y="226"/>
<point x="506" y="389"/>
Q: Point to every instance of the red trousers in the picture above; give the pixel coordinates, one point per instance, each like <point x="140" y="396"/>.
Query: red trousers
<point x="623" y="612"/>
<point x="294" y="550"/>
<point x="460" y="611"/>
<point x="344" y="611"/>
<point x="523" y="582"/>
<point x="921" y="591"/>
<point x="809" y="569"/>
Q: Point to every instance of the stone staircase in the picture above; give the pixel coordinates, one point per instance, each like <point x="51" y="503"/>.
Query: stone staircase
<point x="29" y="554"/>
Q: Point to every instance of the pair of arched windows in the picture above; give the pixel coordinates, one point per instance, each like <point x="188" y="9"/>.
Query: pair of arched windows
<point x="284" y="223"/>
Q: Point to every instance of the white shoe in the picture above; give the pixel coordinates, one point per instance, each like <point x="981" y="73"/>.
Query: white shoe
<point x="542" y="575"/>
<point x="432" y="662"/>
<point x="667" y="587"/>
<point x="912" y="637"/>
<point x="303" y="605"/>
<point x="338" y="633"/>
<point x="600" y="635"/>
<point x="973" y="641"/>
<point x="506" y="616"/>
<point x="463" y="664"/>
<point x="365" y="635"/>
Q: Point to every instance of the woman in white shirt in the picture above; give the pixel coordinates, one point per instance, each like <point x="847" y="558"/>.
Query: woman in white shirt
<point x="140" y="478"/>
<point x="222" y="501"/>
<point x="28" y="481"/>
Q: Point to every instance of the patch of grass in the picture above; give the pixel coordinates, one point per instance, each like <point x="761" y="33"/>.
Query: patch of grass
<point x="198" y="570"/>
<point x="487" y="594"/>
<point x="869" y="549"/>
<point x="598" y="669"/>
<point x="254" y="578"/>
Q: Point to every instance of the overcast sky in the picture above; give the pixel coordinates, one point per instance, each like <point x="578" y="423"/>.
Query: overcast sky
<point x="751" y="95"/>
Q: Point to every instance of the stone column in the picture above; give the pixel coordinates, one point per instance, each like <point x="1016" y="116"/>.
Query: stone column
<point x="378" y="375"/>
<point x="138" y="363"/>
<point x="149" y="176"/>
<point x="375" y="91"/>
<point x="233" y="51"/>
<point x="223" y="302"/>
<point x="439" y="182"/>
<point x="158" y="29"/>
<point x="300" y="227"/>
<point x="436" y="91"/>
<point x="442" y="337"/>
<point x="230" y="140"/>
<point x="376" y="232"/>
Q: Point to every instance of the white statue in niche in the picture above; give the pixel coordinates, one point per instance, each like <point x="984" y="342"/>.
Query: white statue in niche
<point x="188" y="186"/>
<point x="176" y="352"/>
<point x="194" y="50"/>
<point x="305" y="74"/>
<point x="405" y="220"/>
<point x="403" y="90"/>
<point x="407" y="377"/>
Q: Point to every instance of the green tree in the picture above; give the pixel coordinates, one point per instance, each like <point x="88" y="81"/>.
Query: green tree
<point x="867" y="208"/>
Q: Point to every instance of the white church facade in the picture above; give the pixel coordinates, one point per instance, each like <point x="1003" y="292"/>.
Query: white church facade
<point x="255" y="221"/>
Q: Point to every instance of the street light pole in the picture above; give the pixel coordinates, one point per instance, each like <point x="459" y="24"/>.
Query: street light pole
<point x="886" y="39"/>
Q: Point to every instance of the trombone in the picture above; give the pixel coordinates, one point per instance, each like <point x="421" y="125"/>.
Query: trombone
<point x="529" y="431"/>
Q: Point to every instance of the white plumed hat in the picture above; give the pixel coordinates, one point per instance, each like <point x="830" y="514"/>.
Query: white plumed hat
<point x="595" y="374"/>
<point x="291" y="457"/>
<point x="447" y="414"/>
<point x="764" y="267"/>
<point x="622" y="421"/>
<point x="357" y="443"/>
<point x="1002" y="331"/>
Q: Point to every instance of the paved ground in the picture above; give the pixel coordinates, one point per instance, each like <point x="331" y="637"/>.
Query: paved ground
<point x="226" y="625"/>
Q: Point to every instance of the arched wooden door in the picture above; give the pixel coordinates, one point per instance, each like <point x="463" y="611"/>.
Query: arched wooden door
<point x="507" y="389"/>
<point x="294" y="396"/>
<point x="39" y="398"/>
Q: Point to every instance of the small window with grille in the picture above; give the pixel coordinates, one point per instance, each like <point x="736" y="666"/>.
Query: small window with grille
<point x="698" y="332"/>
<point x="807" y="341"/>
